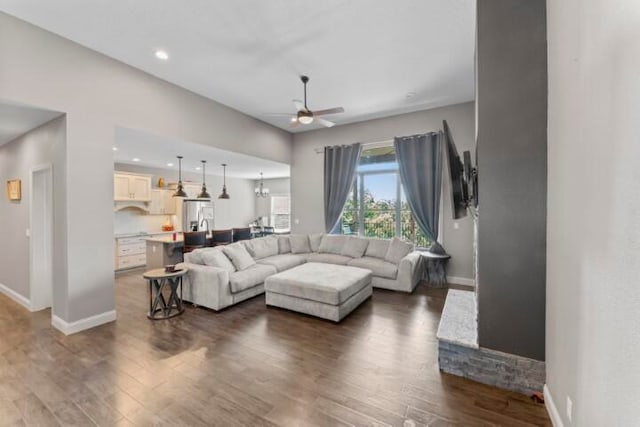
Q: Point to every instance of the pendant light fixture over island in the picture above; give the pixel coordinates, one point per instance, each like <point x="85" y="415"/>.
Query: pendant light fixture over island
<point x="204" y="194"/>
<point x="224" y="194"/>
<point x="180" y="190"/>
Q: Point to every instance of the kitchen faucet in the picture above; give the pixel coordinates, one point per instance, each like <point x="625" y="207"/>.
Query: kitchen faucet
<point x="203" y="221"/>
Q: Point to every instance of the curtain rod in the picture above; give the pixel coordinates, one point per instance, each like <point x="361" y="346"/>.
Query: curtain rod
<point x="320" y="150"/>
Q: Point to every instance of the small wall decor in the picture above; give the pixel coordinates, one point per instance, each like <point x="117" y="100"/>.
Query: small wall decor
<point x="14" y="189"/>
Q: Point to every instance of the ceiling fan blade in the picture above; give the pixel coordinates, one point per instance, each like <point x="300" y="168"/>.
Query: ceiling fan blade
<point x="279" y="115"/>
<point x="323" y="122"/>
<point x="298" y="104"/>
<point x="329" y="111"/>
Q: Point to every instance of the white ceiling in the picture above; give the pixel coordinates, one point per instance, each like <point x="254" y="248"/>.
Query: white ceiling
<point x="363" y="55"/>
<point x="156" y="151"/>
<point x="16" y="120"/>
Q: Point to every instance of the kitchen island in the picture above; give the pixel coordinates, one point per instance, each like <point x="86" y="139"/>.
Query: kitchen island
<point x="164" y="250"/>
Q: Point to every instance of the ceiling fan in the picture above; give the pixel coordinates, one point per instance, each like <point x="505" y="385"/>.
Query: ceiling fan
<point x="304" y="115"/>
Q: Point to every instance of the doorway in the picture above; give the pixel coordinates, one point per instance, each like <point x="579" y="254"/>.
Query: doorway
<point x="41" y="238"/>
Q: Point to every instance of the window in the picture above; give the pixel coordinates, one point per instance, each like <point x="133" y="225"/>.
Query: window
<point x="377" y="206"/>
<point x="281" y="212"/>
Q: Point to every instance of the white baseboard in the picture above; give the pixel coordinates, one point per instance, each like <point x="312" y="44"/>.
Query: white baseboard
<point x="26" y="303"/>
<point x="82" y="324"/>
<point x="461" y="281"/>
<point x="551" y="408"/>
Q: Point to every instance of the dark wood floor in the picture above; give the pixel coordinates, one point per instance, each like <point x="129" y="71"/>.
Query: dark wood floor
<point x="247" y="365"/>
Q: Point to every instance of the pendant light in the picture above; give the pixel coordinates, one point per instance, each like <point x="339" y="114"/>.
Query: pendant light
<point x="179" y="190"/>
<point x="203" y="194"/>
<point x="224" y="194"/>
<point x="260" y="190"/>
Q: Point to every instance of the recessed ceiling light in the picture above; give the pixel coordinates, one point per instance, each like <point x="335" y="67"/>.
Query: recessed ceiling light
<point x="162" y="54"/>
<point x="169" y="164"/>
<point x="115" y="148"/>
<point x="135" y="159"/>
<point x="198" y="168"/>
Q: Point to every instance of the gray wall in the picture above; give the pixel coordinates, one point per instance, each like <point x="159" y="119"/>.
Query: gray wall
<point x="512" y="163"/>
<point x="238" y="211"/>
<point x="40" y="146"/>
<point x="276" y="186"/>
<point x="593" y="234"/>
<point x="307" y="171"/>
<point x="98" y="94"/>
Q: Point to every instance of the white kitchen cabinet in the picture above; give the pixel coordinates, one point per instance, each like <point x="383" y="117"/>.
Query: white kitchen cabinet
<point x="162" y="202"/>
<point x="130" y="252"/>
<point x="131" y="187"/>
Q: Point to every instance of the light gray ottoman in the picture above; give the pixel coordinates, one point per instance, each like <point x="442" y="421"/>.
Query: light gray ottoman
<point x="322" y="290"/>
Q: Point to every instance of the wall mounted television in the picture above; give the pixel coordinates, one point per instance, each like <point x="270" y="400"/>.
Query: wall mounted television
<point x="463" y="176"/>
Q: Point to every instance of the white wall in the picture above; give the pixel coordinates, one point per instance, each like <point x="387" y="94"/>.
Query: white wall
<point x="98" y="93"/>
<point x="307" y="171"/>
<point x="593" y="237"/>
<point x="277" y="187"/>
<point x="43" y="145"/>
<point x="238" y="211"/>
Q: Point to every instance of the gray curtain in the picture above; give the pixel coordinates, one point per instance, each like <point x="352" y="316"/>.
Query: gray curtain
<point x="420" y="166"/>
<point x="340" y="164"/>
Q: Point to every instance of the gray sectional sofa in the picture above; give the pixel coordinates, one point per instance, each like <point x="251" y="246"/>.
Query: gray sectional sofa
<point x="222" y="276"/>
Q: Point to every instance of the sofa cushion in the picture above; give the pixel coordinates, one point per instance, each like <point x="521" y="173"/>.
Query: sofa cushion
<point x="354" y="247"/>
<point x="329" y="258"/>
<point x="250" y="277"/>
<point x="314" y="241"/>
<point x="239" y="256"/>
<point x="284" y="246"/>
<point x="398" y="249"/>
<point x="299" y="244"/>
<point x="379" y="267"/>
<point x="283" y="261"/>
<point x="331" y="285"/>
<point x="377" y="248"/>
<point x="262" y="247"/>
<point x="332" y="244"/>
<point x="194" y="257"/>
<point x="214" y="257"/>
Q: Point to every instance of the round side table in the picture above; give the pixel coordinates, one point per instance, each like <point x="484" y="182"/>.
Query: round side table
<point x="159" y="307"/>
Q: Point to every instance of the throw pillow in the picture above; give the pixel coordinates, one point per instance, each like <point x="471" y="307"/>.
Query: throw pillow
<point x="239" y="256"/>
<point x="215" y="258"/>
<point x="332" y="244"/>
<point x="355" y="247"/>
<point x="397" y="250"/>
<point x="299" y="244"/>
<point x="314" y="241"/>
<point x="262" y="247"/>
<point x="284" y="246"/>
<point x="377" y="248"/>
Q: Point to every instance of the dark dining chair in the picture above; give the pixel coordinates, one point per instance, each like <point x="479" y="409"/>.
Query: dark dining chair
<point x="241" y="234"/>
<point x="194" y="240"/>
<point x="221" y="237"/>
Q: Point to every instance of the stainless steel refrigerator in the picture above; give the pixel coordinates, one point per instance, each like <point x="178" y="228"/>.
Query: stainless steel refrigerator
<point x="197" y="215"/>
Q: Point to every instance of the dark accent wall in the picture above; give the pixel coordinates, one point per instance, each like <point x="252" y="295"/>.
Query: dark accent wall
<point x="512" y="162"/>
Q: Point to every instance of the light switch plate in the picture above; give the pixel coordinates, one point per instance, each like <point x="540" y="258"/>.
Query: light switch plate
<point x="28" y="233"/>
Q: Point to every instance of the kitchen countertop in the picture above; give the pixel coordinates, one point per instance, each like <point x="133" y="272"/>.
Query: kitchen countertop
<point x="144" y="233"/>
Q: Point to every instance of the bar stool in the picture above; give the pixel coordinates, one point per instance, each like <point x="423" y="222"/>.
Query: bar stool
<point x="221" y="237"/>
<point x="194" y="240"/>
<point x="241" y="234"/>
